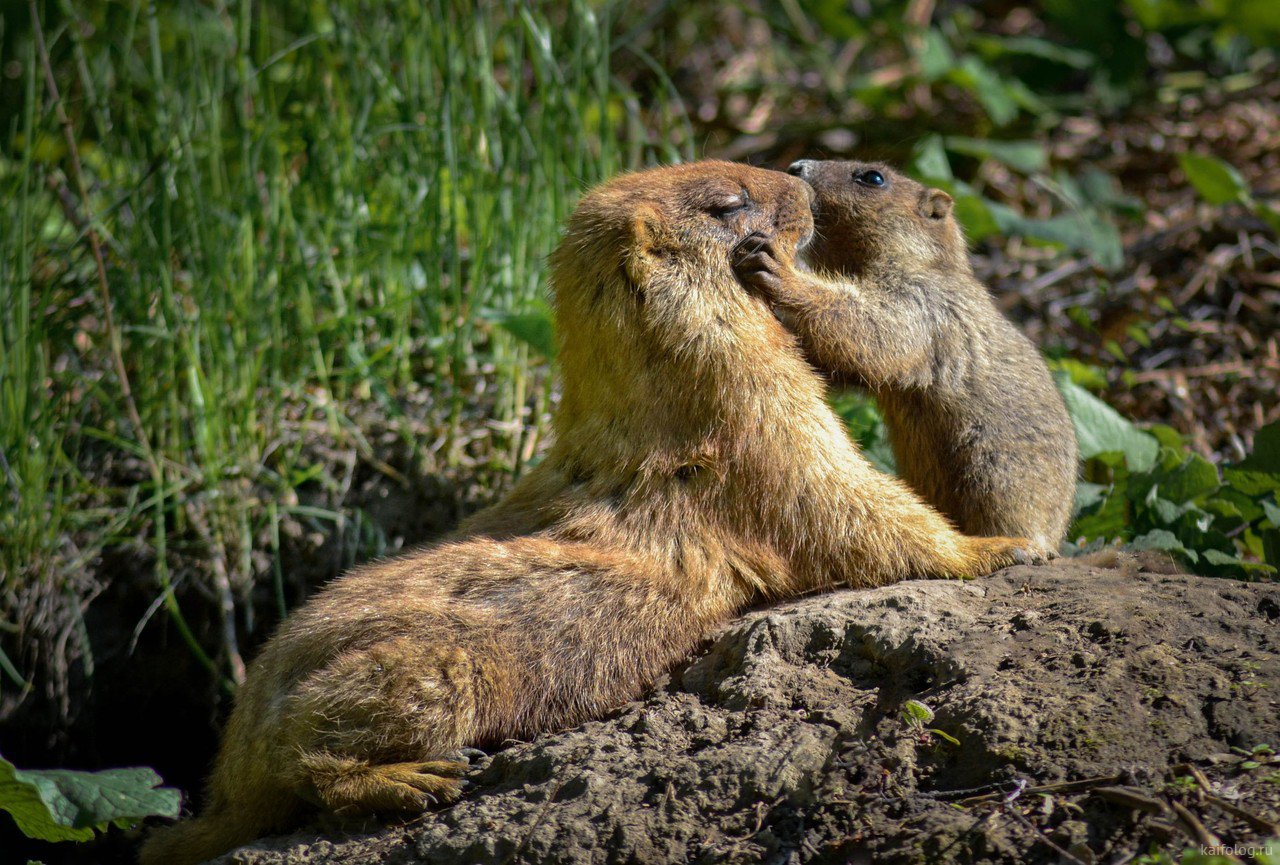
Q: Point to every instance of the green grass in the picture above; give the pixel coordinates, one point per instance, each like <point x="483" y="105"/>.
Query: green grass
<point x="268" y="230"/>
<point x="300" y="207"/>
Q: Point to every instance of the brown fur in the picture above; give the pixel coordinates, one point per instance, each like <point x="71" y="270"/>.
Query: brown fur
<point x="977" y="426"/>
<point x="697" y="471"/>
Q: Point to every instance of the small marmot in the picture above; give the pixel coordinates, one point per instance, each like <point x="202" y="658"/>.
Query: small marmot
<point x="976" y="424"/>
<point x="697" y="471"/>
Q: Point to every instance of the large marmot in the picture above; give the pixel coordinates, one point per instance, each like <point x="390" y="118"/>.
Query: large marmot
<point x="697" y="471"/>
<point x="976" y="424"/>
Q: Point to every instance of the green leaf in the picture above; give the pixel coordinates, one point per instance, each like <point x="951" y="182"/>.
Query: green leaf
<point x="917" y="710"/>
<point x="935" y="57"/>
<point x="1088" y="495"/>
<point x="1266" y="450"/>
<point x="1194" y="478"/>
<point x="1105" y="522"/>
<point x="945" y="736"/>
<point x="1158" y="539"/>
<point x="1033" y="47"/>
<point x="836" y="19"/>
<point x="1086" y="375"/>
<point x="1272" y="510"/>
<point x="535" y="327"/>
<point x="1269" y="215"/>
<point x="973" y="214"/>
<point x="1161" y="14"/>
<point x="930" y="163"/>
<point x="1086" y="231"/>
<point x="62" y="805"/>
<point x="1028" y="157"/>
<point x="1215" y="180"/>
<point x="1271" y="547"/>
<point x="1167" y="436"/>
<point x="1259" y="473"/>
<point x="1100" y="428"/>
<point x="1219" y="558"/>
<point x="988" y="87"/>
<point x="1166" y="511"/>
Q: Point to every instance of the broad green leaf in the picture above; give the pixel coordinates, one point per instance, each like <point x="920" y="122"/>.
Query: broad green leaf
<point x="1235" y="563"/>
<point x="1252" y="483"/>
<point x="1225" y="510"/>
<point x="1100" y="428"/>
<point x="975" y="217"/>
<point x="1028" y="157"/>
<point x="935" y="55"/>
<point x="1247" y="505"/>
<point x="988" y="87"/>
<point x="1259" y="22"/>
<point x="1167" y="436"/>
<point x="1271" y="547"/>
<point x="918" y="710"/>
<point x="930" y="163"/>
<point x="535" y="327"/>
<point x="1105" y="522"/>
<point x="1162" y="14"/>
<point x="1215" y="180"/>
<point x="1272" y="510"/>
<point x="1159" y="539"/>
<point x="1266" y="450"/>
<point x="62" y="805"/>
<point x="1088" y="495"/>
<point x="1087" y="375"/>
<point x="1084" y="231"/>
<point x="1166" y="511"/>
<point x="1269" y="215"/>
<point x="1259" y="473"/>
<point x="835" y="18"/>
<point x="1104" y="191"/>
<point x="1193" y="478"/>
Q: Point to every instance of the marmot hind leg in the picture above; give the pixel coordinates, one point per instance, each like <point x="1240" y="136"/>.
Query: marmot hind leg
<point x="349" y="787"/>
<point x="371" y="732"/>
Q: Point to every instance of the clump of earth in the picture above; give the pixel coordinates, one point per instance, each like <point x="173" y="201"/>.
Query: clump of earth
<point x="1081" y="711"/>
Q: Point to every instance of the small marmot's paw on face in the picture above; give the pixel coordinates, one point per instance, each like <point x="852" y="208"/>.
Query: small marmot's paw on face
<point x="756" y="264"/>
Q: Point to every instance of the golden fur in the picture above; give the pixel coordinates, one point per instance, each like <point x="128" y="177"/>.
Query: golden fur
<point x="977" y="426"/>
<point x="697" y="470"/>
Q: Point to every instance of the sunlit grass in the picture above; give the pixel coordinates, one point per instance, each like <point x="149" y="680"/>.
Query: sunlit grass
<point x="301" y="207"/>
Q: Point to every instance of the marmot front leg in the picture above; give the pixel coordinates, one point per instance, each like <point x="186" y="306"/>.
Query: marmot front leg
<point x="843" y="330"/>
<point x="903" y="537"/>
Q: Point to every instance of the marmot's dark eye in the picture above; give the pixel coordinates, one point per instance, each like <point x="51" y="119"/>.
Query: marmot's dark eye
<point x="869" y="177"/>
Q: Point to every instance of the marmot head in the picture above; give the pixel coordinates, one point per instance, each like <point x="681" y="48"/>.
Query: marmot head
<point x="649" y="253"/>
<point x="868" y="216"/>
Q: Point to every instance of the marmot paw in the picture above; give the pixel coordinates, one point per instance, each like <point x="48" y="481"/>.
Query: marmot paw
<point x="756" y="264"/>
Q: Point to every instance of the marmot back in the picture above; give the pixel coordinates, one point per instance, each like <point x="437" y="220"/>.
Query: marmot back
<point x="976" y="423"/>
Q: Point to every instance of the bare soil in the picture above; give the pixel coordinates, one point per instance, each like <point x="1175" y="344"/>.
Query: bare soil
<point x="1102" y="708"/>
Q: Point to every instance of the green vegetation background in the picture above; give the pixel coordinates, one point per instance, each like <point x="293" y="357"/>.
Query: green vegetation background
<point x="272" y="273"/>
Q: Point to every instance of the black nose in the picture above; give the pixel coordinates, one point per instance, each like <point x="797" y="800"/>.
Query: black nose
<point x="800" y="168"/>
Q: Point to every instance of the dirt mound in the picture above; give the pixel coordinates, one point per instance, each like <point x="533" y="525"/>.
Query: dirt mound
<point x="1094" y="710"/>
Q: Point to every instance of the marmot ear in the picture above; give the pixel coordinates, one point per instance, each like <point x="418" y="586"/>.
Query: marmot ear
<point x="936" y="204"/>
<point x="648" y="238"/>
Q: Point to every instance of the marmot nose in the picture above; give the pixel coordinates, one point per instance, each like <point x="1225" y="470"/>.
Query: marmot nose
<point x="800" y="168"/>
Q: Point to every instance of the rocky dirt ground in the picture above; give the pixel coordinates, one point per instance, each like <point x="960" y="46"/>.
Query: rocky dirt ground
<point x="1083" y="711"/>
